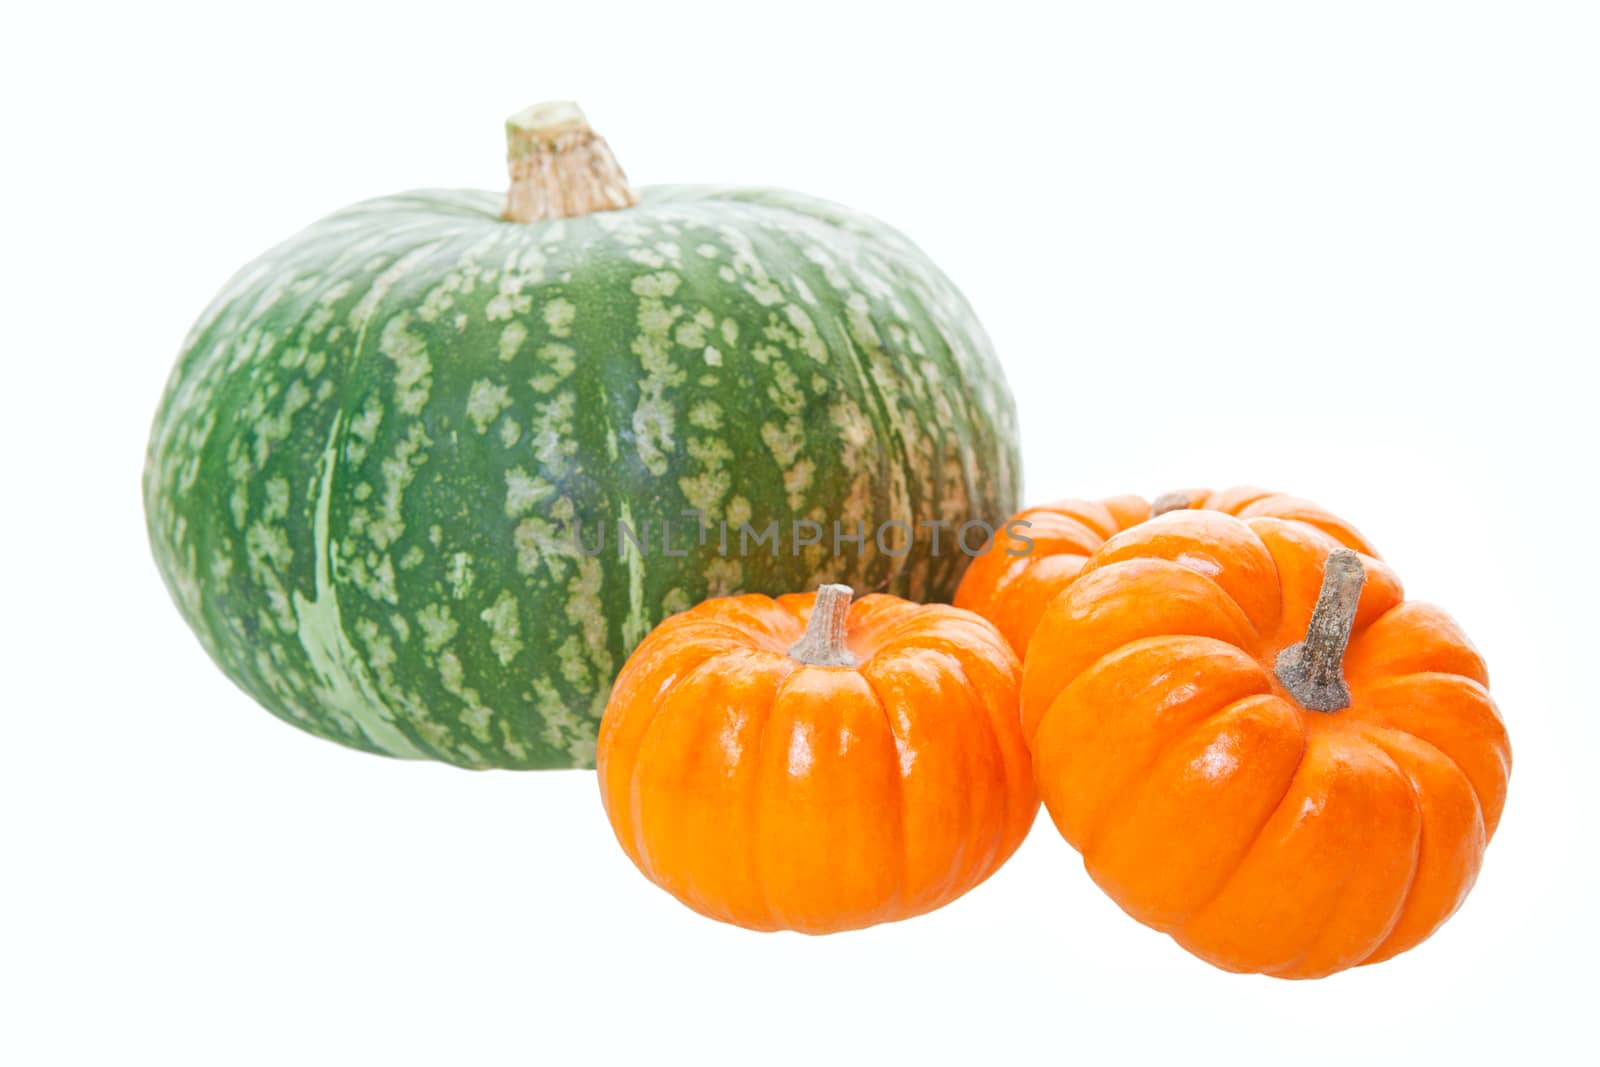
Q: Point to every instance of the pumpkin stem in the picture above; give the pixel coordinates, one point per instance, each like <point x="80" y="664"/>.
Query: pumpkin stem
<point x="559" y="166"/>
<point x="823" y="643"/>
<point x="1173" y="501"/>
<point x="1313" y="670"/>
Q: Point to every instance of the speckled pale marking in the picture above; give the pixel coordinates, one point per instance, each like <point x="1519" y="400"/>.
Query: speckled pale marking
<point x="363" y="478"/>
<point x="345" y="689"/>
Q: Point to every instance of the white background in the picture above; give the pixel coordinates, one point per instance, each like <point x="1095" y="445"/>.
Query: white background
<point x="1350" y="251"/>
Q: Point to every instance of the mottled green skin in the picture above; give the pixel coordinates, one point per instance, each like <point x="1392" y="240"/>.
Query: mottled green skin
<point x="362" y="477"/>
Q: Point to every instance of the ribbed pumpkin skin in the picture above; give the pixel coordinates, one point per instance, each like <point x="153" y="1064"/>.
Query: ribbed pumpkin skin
<point x="775" y="795"/>
<point x="1207" y="802"/>
<point x="362" y="478"/>
<point x="1012" y="582"/>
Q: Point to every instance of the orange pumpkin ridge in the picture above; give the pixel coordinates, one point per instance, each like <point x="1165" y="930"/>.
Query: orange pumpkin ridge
<point x="1039" y="551"/>
<point x="1259" y="746"/>
<point x="813" y="764"/>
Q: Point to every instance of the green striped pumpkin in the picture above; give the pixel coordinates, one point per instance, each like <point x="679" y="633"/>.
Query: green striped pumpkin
<point x="381" y="469"/>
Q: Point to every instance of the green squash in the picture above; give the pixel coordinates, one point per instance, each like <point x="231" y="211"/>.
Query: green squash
<point x="380" y="475"/>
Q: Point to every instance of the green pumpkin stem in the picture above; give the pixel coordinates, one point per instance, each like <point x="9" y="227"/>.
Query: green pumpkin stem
<point x="559" y="166"/>
<point x="1313" y="670"/>
<point x="824" y="642"/>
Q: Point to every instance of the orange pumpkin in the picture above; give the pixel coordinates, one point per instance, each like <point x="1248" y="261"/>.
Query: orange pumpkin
<point x="784" y="768"/>
<point x="1041" y="549"/>
<point x="1260" y="747"/>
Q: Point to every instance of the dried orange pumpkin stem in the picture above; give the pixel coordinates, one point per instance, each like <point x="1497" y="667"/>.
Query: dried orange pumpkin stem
<point x="1173" y="501"/>
<point x="823" y="644"/>
<point x="559" y="166"/>
<point x="1313" y="670"/>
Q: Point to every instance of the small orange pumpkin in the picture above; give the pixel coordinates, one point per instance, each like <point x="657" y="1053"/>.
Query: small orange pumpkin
<point x="1260" y="747"/>
<point x="808" y="764"/>
<point x="1041" y="549"/>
